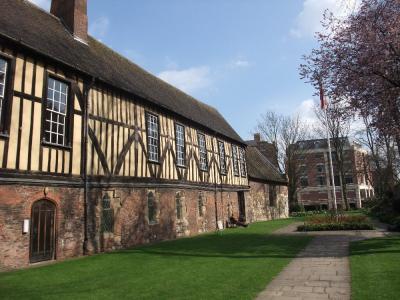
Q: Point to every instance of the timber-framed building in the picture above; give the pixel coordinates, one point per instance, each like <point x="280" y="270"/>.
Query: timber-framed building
<point x="96" y="153"/>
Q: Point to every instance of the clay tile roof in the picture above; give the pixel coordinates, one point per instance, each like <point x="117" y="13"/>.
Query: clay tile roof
<point x="35" y="28"/>
<point x="259" y="167"/>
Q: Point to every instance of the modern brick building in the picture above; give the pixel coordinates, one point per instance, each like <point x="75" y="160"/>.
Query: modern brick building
<point x="315" y="188"/>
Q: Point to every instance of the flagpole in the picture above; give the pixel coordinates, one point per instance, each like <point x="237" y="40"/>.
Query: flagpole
<point x="330" y="161"/>
<point x="324" y="107"/>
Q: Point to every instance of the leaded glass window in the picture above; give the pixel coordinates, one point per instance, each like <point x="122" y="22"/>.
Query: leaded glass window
<point x="3" y="78"/>
<point x="202" y="152"/>
<point x="152" y="208"/>
<point x="242" y="158"/>
<point x="107" y="221"/>
<point x="180" y="145"/>
<point x="56" y="112"/>
<point x="222" y="161"/>
<point x="179" y="206"/>
<point x="152" y="137"/>
<point x="235" y="160"/>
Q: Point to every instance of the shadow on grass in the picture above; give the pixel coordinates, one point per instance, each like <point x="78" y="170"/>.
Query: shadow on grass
<point x="189" y="268"/>
<point x="240" y="245"/>
<point x="376" y="246"/>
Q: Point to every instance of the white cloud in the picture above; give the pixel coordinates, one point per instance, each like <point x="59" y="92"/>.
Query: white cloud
<point x="309" y="19"/>
<point x="99" y="27"/>
<point x="306" y="111"/>
<point x="45" y="4"/>
<point x="188" y="80"/>
<point x="239" y="63"/>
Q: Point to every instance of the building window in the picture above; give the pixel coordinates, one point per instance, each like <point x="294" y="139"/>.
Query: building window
<point x="235" y="159"/>
<point x="200" y="205"/>
<point x="321" y="180"/>
<point x="3" y="81"/>
<point x="242" y="158"/>
<point x="337" y="180"/>
<point x="304" y="181"/>
<point x="56" y="112"/>
<point x="222" y="161"/>
<point x="152" y="137"/>
<point x="202" y="152"/>
<point x="273" y="195"/>
<point x="303" y="170"/>
<point x="320" y="169"/>
<point x="151" y="208"/>
<point x="348" y="179"/>
<point x="301" y="157"/>
<point x="107" y="222"/>
<point x="180" y="145"/>
<point x="334" y="156"/>
<point x="179" y="206"/>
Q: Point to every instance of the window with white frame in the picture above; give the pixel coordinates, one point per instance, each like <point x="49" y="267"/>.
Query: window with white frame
<point x="235" y="159"/>
<point x="202" y="152"/>
<point x="56" y="112"/>
<point x="152" y="137"/>
<point x="3" y="78"/>
<point x="222" y="161"/>
<point x="242" y="158"/>
<point x="180" y="145"/>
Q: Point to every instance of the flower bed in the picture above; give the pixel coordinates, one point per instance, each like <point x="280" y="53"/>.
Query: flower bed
<point x="332" y="222"/>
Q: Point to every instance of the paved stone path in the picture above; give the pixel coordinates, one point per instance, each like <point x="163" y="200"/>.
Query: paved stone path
<point x="320" y="271"/>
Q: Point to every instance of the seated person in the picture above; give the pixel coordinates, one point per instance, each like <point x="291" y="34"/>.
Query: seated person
<point x="232" y="220"/>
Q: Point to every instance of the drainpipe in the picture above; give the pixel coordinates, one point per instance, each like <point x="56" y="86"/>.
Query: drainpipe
<point x="86" y="91"/>
<point x="215" y="189"/>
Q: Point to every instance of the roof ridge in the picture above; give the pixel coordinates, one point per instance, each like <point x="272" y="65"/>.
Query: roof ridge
<point x="28" y="2"/>
<point x="151" y="74"/>
<point x="103" y="62"/>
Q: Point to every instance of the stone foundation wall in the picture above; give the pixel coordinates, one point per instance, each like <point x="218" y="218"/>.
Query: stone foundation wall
<point x="259" y="205"/>
<point x="131" y="221"/>
<point x="131" y="225"/>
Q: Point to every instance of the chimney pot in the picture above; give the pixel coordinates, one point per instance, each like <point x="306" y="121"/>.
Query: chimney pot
<point x="73" y="14"/>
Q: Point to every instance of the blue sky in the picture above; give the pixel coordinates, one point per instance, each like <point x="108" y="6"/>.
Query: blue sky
<point x="240" y="56"/>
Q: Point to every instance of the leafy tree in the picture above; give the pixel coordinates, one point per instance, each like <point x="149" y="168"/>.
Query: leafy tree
<point x="358" y="63"/>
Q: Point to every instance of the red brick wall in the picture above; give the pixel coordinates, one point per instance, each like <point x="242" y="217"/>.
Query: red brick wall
<point x="15" y="206"/>
<point x="131" y="226"/>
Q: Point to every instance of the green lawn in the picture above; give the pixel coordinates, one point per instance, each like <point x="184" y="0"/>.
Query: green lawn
<point x="235" y="264"/>
<point x="375" y="269"/>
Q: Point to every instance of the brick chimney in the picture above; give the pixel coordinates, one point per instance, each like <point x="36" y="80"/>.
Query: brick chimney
<point x="257" y="137"/>
<point x="73" y="14"/>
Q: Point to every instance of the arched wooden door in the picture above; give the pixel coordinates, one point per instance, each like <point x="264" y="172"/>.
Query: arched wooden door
<point x="42" y="242"/>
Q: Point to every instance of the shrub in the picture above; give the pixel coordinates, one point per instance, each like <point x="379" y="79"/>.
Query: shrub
<point x="336" y="222"/>
<point x="335" y="226"/>
<point x="308" y="213"/>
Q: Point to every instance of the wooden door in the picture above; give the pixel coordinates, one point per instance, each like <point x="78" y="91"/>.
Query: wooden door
<point x="42" y="242"/>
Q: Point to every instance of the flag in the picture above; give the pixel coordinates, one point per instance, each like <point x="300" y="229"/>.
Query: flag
<point x="322" y="97"/>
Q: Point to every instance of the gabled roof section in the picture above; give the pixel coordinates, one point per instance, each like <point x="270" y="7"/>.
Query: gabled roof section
<point x="259" y="167"/>
<point x="35" y="28"/>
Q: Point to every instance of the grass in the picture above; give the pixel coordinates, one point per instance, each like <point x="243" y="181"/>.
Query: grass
<point x="375" y="269"/>
<point x="235" y="264"/>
